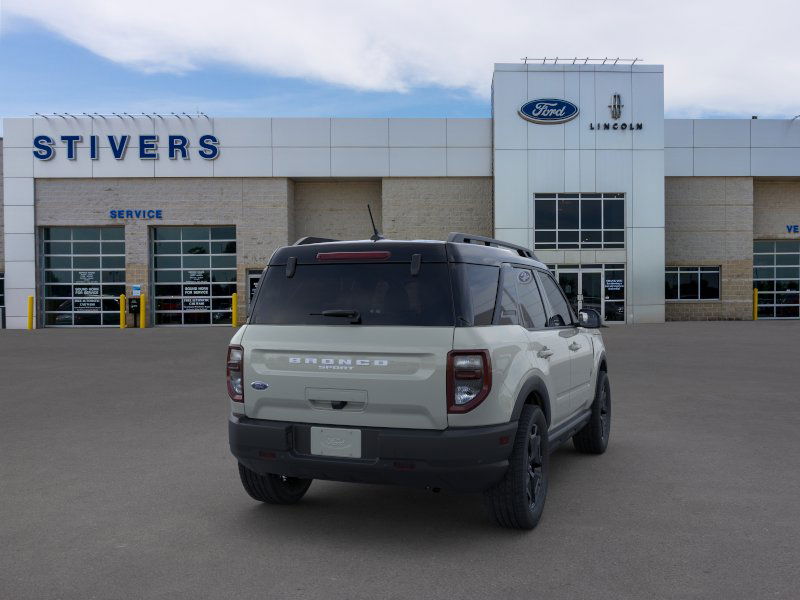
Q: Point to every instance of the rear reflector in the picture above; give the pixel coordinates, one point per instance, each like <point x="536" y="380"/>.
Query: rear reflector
<point x="368" y="255"/>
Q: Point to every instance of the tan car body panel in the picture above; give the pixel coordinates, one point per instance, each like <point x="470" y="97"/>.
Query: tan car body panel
<point x="387" y="376"/>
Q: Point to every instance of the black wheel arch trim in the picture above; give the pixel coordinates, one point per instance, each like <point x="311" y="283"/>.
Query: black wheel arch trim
<point x="534" y="385"/>
<point x="602" y="360"/>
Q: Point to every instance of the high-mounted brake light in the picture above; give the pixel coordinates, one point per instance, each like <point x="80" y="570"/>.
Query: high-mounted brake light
<point x="235" y="373"/>
<point x="469" y="379"/>
<point x="367" y="255"/>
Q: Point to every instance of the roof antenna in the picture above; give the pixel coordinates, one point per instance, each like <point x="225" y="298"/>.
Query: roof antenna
<point x="377" y="235"/>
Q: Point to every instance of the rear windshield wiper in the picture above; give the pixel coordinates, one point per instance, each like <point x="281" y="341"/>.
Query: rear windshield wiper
<point x="353" y="315"/>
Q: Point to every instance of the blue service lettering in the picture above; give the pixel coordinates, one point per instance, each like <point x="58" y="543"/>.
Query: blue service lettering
<point x="43" y="147"/>
<point x="793" y="228"/>
<point x="94" y="142"/>
<point x="152" y="213"/>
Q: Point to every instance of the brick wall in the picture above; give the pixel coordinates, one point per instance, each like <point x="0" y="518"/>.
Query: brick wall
<point x="260" y="209"/>
<point x="430" y="208"/>
<point x="336" y="209"/>
<point x="709" y="222"/>
<point x="776" y="204"/>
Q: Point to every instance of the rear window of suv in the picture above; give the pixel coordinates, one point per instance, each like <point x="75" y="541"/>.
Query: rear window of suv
<point x="381" y="294"/>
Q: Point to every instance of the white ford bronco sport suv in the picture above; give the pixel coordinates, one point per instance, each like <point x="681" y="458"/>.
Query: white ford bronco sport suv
<point x="454" y="365"/>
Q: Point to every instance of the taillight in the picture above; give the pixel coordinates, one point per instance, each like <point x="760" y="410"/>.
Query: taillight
<point x="235" y="373"/>
<point x="366" y="255"/>
<point x="469" y="379"/>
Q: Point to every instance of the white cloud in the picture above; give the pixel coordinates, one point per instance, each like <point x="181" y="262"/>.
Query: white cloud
<point x="720" y="56"/>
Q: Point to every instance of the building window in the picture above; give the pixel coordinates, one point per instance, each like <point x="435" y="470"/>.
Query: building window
<point x="563" y="221"/>
<point x="692" y="283"/>
<point x="194" y="275"/>
<point x="776" y="274"/>
<point x="83" y="275"/>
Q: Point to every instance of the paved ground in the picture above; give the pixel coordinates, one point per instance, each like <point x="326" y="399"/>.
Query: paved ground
<point x="116" y="482"/>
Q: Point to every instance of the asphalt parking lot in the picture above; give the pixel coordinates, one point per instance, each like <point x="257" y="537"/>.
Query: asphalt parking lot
<point x="116" y="482"/>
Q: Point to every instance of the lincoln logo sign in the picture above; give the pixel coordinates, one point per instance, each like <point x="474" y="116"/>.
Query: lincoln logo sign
<point x="548" y="111"/>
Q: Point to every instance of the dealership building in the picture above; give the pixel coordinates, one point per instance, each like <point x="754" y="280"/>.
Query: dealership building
<point x="645" y="218"/>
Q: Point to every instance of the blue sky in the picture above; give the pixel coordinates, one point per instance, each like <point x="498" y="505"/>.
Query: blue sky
<point x="362" y="58"/>
<point x="48" y="74"/>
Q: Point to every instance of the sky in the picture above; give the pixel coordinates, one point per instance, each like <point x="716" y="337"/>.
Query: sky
<point x="353" y="58"/>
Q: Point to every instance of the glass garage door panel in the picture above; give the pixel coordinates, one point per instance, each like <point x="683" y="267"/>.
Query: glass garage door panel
<point x="82" y="275"/>
<point x="194" y="275"/>
<point x="776" y="274"/>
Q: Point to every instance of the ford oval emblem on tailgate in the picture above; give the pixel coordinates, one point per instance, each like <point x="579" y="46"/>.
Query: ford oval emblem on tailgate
<point x="259" y="385"/>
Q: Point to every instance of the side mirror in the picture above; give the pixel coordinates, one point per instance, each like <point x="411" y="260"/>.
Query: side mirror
<point x="589" y="318"/>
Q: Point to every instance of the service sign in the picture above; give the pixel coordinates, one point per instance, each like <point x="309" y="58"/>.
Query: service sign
<point x="191" y="304"/>
<point x="548" y="111"/>
<point x="86" y="304"/>
<point x="87" y="290"/>
<point x="196" y="290"/>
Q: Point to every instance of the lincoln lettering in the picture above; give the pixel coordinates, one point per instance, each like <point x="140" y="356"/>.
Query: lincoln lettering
<point x="149" y="146"/>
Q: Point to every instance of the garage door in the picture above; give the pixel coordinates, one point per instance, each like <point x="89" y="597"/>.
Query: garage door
<point x="82" y="275"/>
<point x="194" y="275"/>
<point x="776" y="274"/>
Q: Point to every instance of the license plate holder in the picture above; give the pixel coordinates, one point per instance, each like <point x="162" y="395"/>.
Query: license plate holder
<point x="334" y="441"/>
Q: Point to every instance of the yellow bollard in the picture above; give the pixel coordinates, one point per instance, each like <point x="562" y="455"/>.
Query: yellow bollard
<point x="122" y="323"/>
<point x="142" y="311"/>
<point x="30" y="312"/>
<point x="234" y="309"/>
<point x="755" y="304"/>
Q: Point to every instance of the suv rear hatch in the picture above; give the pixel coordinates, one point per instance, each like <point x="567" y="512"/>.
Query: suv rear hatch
<point x="351" y="334"/>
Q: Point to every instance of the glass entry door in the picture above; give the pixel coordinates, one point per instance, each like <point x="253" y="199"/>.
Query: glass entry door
<point x="583" y="288"/>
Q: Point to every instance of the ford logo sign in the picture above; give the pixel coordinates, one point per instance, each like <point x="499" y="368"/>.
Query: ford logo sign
<point x="259" y="385"/>
<point x="547" y="111"/>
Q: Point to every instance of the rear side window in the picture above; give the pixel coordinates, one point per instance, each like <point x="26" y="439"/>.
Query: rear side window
<point x="507" y="301"/>
<point x="382" y="294"/>
<point x="530" y="300"/>
<point x="477" y="285"/>
<point x="558" y="303"/>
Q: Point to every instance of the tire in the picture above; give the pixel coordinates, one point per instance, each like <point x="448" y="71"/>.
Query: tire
<point x="593" y="438"/>
<point x="273" y="489"/>
<point x="518" y="500"/>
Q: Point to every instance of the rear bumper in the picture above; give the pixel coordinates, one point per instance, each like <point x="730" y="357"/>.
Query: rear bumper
<point x="468" y="459"/>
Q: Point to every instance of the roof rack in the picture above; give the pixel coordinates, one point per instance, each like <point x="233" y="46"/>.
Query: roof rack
<point x="310" y="239"/>
<point x="466" y="238"/>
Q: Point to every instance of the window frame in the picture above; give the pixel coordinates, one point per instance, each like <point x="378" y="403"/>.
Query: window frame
<point x="542" y="297"/>
<point x="697" y="270"/>
<point x="548" y="307"/>
<point x="580" y="199"/>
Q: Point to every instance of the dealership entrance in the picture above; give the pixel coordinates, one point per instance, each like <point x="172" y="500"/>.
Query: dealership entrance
<point x="597" y="286"/>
